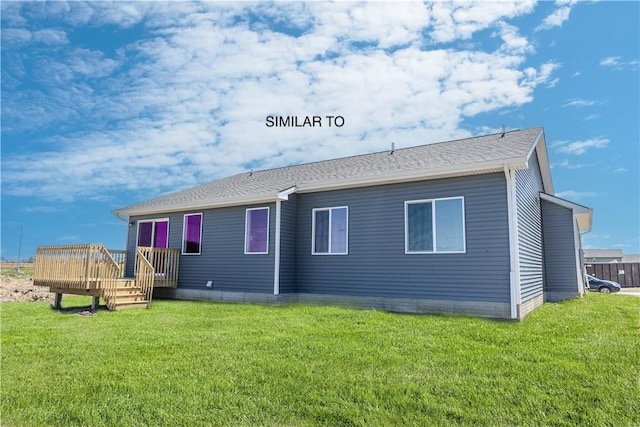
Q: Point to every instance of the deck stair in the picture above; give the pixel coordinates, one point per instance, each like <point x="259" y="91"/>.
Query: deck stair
<point x="127" y="295"/>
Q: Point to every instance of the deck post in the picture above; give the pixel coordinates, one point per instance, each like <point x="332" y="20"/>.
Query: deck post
<point x="57" y="302"/>
<point x="95" y="302"/>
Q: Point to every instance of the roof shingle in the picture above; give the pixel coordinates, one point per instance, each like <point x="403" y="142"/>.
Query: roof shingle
<point x="458" y="153"/>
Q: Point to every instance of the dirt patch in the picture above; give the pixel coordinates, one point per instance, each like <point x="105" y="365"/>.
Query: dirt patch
<point x="22" y="289"/>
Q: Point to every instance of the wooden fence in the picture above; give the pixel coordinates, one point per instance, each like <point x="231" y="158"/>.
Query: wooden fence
<point x="625" y="273"/>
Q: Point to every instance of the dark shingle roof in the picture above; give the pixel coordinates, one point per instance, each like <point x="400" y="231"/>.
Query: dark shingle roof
<point x="459" y="154"/>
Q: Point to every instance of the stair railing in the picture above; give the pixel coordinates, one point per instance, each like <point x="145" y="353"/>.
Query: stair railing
<point x="109" y="270"/>
<point x="145" y="274"/>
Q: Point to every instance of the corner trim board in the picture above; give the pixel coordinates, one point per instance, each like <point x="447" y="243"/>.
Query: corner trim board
<point x="276" y="262"/>
<point x="512" y="214"/>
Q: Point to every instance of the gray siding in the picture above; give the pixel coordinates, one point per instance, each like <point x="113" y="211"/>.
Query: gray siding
<point x="222" y="257"/>
<point x="288" y="244"/>
<point x="528" y="188"/>
<point x="559" y="249"/>
<point x="377" y="266"/>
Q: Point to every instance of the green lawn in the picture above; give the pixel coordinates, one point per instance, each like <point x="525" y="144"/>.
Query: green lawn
<point x="25" y="271"/>
<point x="190" y="363"/>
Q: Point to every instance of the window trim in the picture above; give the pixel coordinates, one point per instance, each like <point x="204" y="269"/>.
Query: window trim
<point x="433" y="226"/>
<point x="246" y="229"/>
<point x="184" y="229"/>
<point x="153" y="229"/>
<point x="313" y="231"/>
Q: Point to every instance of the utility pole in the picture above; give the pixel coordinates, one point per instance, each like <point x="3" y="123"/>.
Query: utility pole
<point x="19" y="251"/>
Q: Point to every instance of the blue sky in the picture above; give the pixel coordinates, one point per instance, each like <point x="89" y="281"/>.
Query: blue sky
<point x="108" y="104"/>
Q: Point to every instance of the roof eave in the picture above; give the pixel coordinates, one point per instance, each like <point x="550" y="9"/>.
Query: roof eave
<point x="583" y="214"/>
<point x="201" y="204"/>
<point x="407" y="176"/>
<point x="540" y="148"/>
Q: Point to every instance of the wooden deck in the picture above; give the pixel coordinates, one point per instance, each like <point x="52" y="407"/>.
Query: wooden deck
<point x="94" y="271"/>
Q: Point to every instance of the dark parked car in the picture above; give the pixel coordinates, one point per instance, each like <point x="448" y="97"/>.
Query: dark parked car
<point x="600" y="285"/>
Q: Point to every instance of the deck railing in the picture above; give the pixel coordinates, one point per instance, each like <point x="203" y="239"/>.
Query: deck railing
<point x="165" y="264"/>
<point x="75" y="267"/>
<point x="120" y="257"/>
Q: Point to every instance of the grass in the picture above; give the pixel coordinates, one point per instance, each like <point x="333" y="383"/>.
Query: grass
<point x="25" y="271"/>
<point x="191" y="363"/>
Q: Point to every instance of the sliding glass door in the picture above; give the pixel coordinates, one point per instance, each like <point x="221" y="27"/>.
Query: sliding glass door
<point x="155" y="234"/>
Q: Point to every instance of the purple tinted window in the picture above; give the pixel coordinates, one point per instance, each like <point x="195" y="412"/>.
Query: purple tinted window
<point x="161" y="235"/>
<point x="257" y="231"/>
<point x="153" y="234"/>
<point x="191" y="234"/>
<point x="145" y="232"/>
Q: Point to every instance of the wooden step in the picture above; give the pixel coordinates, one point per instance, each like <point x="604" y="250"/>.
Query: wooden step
<point x="126" y="283"/>
<point x="130" y="298"/>
<point x="128" y="295"/>
<point x="131" y="304"/>
<point x="128" y="291"/>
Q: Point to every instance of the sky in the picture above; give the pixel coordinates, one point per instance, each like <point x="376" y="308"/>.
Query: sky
<point x="109" y="104"/>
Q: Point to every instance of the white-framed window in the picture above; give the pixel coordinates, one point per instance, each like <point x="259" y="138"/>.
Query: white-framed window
<point x="434" y="226"/>
<point x="192" y="234"/>
<point x="153" y="233"/>
<point x="256" y="231"/>
<point x="330" y="231"/>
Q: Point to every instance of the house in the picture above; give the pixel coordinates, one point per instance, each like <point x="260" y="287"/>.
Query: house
<point x="631" y="258"/>
<point x="602" y="255"/>
<point x="468" y="226"/>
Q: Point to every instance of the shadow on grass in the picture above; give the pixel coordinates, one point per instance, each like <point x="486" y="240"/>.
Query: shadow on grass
<point x="83" y="310"/>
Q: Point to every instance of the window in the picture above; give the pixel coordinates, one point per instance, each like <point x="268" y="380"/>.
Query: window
<point x="153" y="233"/>
<point x="192" y="234"/>
<point x="256" y="231"/>
<point x="330" y="236"/>
<point x="433" y="226"/>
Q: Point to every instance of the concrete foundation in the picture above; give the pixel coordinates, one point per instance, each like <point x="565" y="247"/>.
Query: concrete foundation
<point x="529" y="305"/>
<point x="400" y="305"/>
<point x="560" y="296"/>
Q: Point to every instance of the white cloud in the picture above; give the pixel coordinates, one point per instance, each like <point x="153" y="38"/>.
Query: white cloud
<point x="580" y="147"/>
<point x="18" y="37"/>
<point x="460" y="20"/>
<point x="513" y="41"/>
<point x="11" y="13"/>
<point x="187" y="102"/>
<point x="618" y="170"/>
<point x="616" y="63"/>
<point x="578" y="102"/>
<point x="41" y="209"/>
<point x="576" y="195"/>
<point x="568" y="165"/>
<point x="610" y="61"/>
<point x="543" y="76"/>
<point x="50" y="37"/>
<point x="555" y="19"/>
<point x="377" y="23"/>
